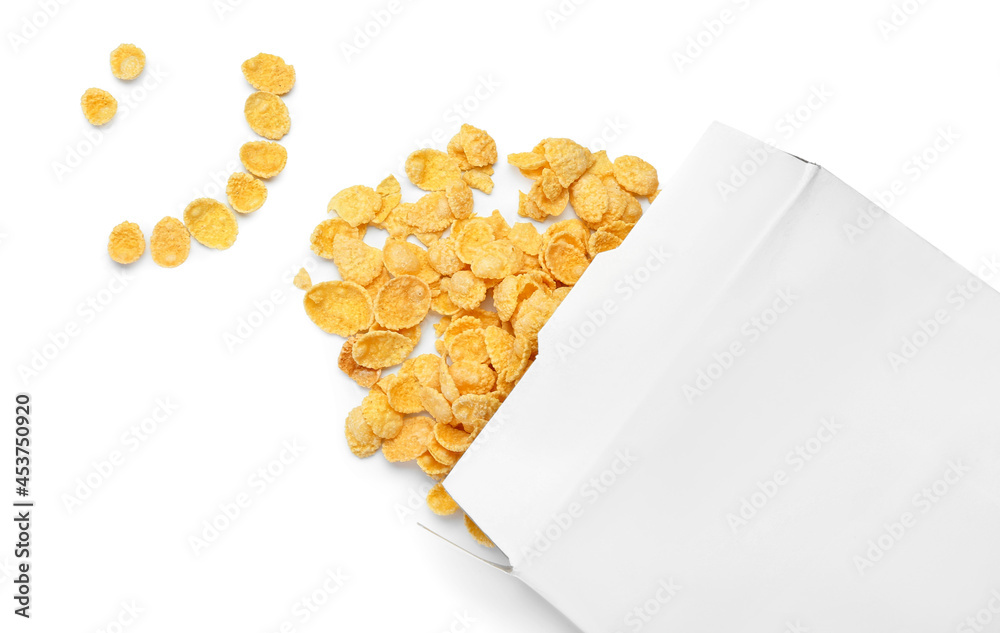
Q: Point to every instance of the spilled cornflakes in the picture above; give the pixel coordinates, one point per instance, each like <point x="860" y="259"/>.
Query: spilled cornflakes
<point x="490" y="285"/>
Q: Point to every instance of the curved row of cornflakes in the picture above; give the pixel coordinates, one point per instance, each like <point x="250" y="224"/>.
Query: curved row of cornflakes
<point x="210" y="221"/>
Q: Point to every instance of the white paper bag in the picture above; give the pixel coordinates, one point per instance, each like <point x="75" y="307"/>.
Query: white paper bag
<point x="773" y="408"/>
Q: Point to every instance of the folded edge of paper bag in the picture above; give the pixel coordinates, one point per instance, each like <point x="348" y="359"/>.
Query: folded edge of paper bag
<point x="608" y="485"/>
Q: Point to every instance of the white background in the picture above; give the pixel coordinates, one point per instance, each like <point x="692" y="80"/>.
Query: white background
<point x="608" y="69"/>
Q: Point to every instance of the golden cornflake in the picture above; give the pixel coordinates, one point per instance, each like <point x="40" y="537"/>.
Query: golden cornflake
<point x="411" y="441"/>
<point x="469" y="345"/>
<point x="356" y="261"/>
<point x="379" y="349"/>
<point x="432" y="212"/>
<point x="267" y="115"/>
<point x="170" y="243"/>
<point x="497" y="260"/>
<point x="402" y="303"/>
<point x="525" y="236"/>
<point x="474" y="234"/>
<point x="98" y="106"/>
<point x="364" y="376"/>
<point x="455" y="150"/>
<point x="448" y="387"/>
<point x="434" y="402"/>
<point x="443" y="305"/>
<point x="471" y="408"/>
<point x="529" y="161"/>
<point x="211" y="223"/>
<point x="459" y="197"/>
<point x="442" y="454"/>
<point x="391" y="195"/>
<point x="567" y="159"/>
<point x="323" y="236"/>
<point x="127" y="62"/>
<point x="404" y="393"/>
<point x="464" y="289"/>
<point x="340" y="307"/>
<point x="477" y="533"/>
<point x="432" y="467"/>
<point x="478" y="179"/>
<point x="357" y="204"/>
<point x="550" y="185"/>
<point x="601" y="167"/>
<point x="126" y="243"/>
<point x="440" y="502"/>
<point x="454" y="439"/>
<point x="601" y="241"/>
<point x="245" y="193"/>
<point x="302" y="280"/>
<point x="431" y="169"/>
<point x="472" y="377"/>
<point x="589" y="198"/>
<point x="442" y="257"/>
<point x="384" y="422"/>
<point x="406" y="258"/>
<point x="505" y="297"/>
<point x="548" y="206"/>
<point x="269" y="73"/>
<point x="500" y="349"/>
<point x="360" y="438"/>
<point x="526" y="208"/>
<point x="479" y="147"/>
<point x="636" y="175"/>
<point x="425" y="368"/>
<point x="264" y="159"/>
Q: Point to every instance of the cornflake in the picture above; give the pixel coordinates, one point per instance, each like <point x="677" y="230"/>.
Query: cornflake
<point x="356" y="205"/>
<point x="322" y="239"/>
<point x="384" y="422"/>
<point x="440" y="502"/>
<point x="245" y="193"/>
<point x="339" y="307"/>
<point x="127" y="243"/>
<point x="264" y="159"/>
<point x="127" y="62"/>
<point x="411" y="441"/>
<point x="362" y="441"/>
<point x="267" y="115"/>
<point x="269" y="73"/>
<point x="402" y="303"/>
<point x="170" y="243"/>
<point x="356" y="261"/>
<point x="477" y="533"/>
<point x="379" y="349"/>
<point x="302" y="280"/>
<point x="98" y="106"/>
<point x="636" y="175"/>
<point x="211" y="223"/>
<point x="431" y="169"/>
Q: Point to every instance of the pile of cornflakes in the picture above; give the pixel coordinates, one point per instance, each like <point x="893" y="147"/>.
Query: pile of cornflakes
<point x="493" y="286"/>
<point x="209" y="221"/>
